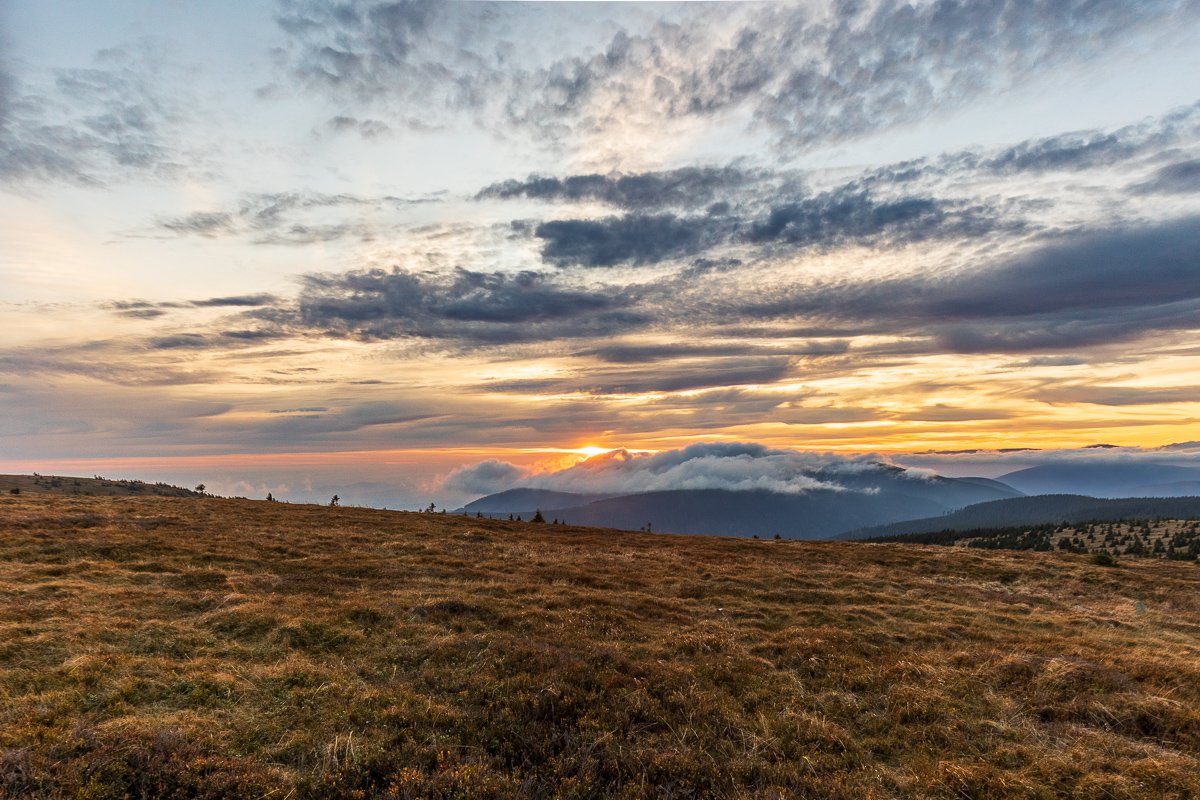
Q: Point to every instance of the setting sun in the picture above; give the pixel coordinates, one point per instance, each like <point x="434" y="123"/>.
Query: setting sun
<point x="591" y="451"/>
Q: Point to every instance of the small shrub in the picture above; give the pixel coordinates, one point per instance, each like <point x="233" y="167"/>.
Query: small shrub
<point x="1103" y="558"/>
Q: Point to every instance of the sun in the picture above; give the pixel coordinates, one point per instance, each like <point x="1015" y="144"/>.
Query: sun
<point x="590" y="451"/>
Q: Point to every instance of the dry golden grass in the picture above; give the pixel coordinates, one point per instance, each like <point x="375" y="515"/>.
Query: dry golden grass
<point x="88" y="487"/>
<point x="179" y="647"/>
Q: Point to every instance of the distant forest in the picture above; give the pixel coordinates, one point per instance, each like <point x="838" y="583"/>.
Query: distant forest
<point x="1174" y="539"/>
<point x="1036" y="511"/>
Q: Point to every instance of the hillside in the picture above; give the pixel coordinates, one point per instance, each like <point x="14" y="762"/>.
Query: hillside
<point x="716" y="512"/>
<point x="1040" y="510"/>
<point x="873" y="496"/>
<point x="88" y="487"/>
<point x="1174" y="539"/>
<point x="526" y="501"/>
<point x="1107" y="479"/>
<point x="200" y="647"/>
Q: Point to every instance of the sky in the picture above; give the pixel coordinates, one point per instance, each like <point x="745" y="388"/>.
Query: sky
<point x="414" y="250"/>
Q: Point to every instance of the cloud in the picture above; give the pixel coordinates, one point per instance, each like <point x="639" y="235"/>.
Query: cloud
<point x="688" y="187"/>
<point x="279" y="217"/>
<point x="366" y="128"/>
<point x="1118" y="395"/>
<point x="677" y="377"/>
<point x="179" y="341"/>
<point x="1057" y="293"/>
<point x="651" y="353"/>
<point x="486" y="477"/>
<point x="104" y="361"/>
<point x="144" y="309"/>
<point x="1182" y="177"/>
<point x="1085" y="289"/>
<point x="629" y="239"/>
<point x="481" y="307"/>
<point x="355" y="47"/>
<point x="846" y="215"/>
<point x="735" y="466"/>
<point x="997" y="461"/>
<point x="237" y="301"/>
<point x="1071" y="151"/>
<point x="812" y="75"/>
<point x="1051" y="361"/>
<point x="94" y="125"/>
<point x="712" y="187"/>
<point x="201" y="223"/>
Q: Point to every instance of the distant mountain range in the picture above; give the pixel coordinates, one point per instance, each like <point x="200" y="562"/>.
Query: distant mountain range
<point x="876" y="500"/>
<point x="1129" y="479"/>
<point x="872" y="496"/>
<point x="1039" y="510"/>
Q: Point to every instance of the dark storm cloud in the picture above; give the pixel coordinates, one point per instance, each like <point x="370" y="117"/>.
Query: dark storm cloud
<point x="1058" y="294"/>
<point x="629" y="239"/>
<point x="812" y="76"/>
<point x="91" y="126"/>
<point x="1066" y="152"/>
<point x="843" y="216"/>
<point x="1078" y="151"/>
<point x="689" y="187"/>
<point x="847" y="215"/>
<point x="1083" y="290"/>
<point x="484" y="307"/>
<point x="1179" y="178"/>
<point x="236" y="300"/>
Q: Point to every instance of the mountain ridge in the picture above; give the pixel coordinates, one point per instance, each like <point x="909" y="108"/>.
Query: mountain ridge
<point x="865" y="497"/>
<point x="1038" y="510"/>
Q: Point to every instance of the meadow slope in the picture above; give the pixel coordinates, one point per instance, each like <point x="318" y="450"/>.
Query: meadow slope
<point x="202" y="647"/>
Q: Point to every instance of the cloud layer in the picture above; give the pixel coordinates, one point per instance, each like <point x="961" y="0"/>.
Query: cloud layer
<point x="811" y="74"/>
<point x="372" y="225"/>
<point x="733" y="466"/>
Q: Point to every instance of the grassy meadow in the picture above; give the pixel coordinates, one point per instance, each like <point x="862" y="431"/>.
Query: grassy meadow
<point x="184" y="647"/>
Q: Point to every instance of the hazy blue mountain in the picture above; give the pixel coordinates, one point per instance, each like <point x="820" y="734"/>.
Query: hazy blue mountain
<point x="1174" y="489"/>
<point x="1040" y="510"/>
<point x="722" y="512"/>
<point x="871" y="497"/>
<point x="1126" y="479"/>
<point x="525" y="501"/>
